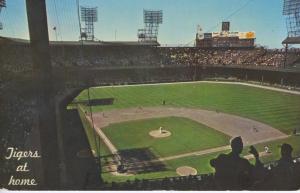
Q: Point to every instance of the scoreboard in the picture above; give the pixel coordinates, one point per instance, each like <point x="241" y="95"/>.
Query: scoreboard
<point x="226" y="38"/>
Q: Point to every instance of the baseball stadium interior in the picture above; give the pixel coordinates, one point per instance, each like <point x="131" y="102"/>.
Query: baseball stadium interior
<point x="51" y="101"/>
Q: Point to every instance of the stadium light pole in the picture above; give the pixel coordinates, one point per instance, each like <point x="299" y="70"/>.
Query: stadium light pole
<point x="97" y="142"/>
<point x="2" y="5"/>
<point x="96" y="137"/>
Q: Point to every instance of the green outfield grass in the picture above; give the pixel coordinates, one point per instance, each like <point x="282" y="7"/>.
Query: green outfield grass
<point x="187" y="136"/>
<point x="280" y="110"/>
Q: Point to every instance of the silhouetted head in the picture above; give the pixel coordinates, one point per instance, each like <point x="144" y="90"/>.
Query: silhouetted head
<point x="286" y="150"/>
<point x="237" y="145"/>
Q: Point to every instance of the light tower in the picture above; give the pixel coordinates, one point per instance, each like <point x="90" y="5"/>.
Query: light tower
<point x="152" y="19"/>
<point x="291" y="9"/>
<point x="2" y="5"/>
<point x="89" y="16"/>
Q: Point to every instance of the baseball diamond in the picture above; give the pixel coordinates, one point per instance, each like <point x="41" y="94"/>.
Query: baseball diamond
<point x="202" y="118"/>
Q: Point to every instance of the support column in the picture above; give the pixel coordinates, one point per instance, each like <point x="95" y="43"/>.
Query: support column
<point x="42" y="79"/>
<point x="285" y="55"/>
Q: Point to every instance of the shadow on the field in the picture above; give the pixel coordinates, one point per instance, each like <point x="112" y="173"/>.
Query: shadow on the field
<point x="137" y="161"/>
<point x="95" y="102"/>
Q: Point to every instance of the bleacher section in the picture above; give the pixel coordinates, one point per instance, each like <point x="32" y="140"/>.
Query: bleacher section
<point x="16" y="56"/>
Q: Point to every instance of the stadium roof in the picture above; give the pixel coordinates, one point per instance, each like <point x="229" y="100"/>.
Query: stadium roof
<point x="291" y="40"/>
<point x="99" y="43"/>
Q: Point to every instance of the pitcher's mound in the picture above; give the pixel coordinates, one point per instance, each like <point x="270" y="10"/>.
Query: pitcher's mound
<point x="158" y="134"/>
<point x="186" y="171"/>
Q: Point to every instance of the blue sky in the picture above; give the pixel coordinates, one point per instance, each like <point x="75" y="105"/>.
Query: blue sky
<point x="181" y="18"/>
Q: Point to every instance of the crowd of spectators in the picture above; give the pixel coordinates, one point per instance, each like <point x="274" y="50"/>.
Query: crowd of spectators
<point x="236" y="57"/>
<point x="17" y="58"/>
<point x="20" y="113"/>
<point x="131" y="56"/>
<point x="104" y="56"/>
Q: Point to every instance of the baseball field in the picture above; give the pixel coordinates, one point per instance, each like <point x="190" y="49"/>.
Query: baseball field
<point x="165" y="130"/>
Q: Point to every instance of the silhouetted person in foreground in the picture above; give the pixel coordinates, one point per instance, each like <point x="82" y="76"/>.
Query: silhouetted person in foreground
<point x="232" y="171"/>
<point x="284" y="175"/>
<point x="286" y="159"/>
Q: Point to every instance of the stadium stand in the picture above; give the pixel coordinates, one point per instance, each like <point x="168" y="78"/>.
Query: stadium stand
<point x="18" y="118"/>
<point x="128" y="56"/>
<point x="121" y="65"/>
<point x="259" y="57"/>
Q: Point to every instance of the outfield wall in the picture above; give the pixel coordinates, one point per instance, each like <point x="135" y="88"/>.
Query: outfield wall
<point x="97" y="77"/>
